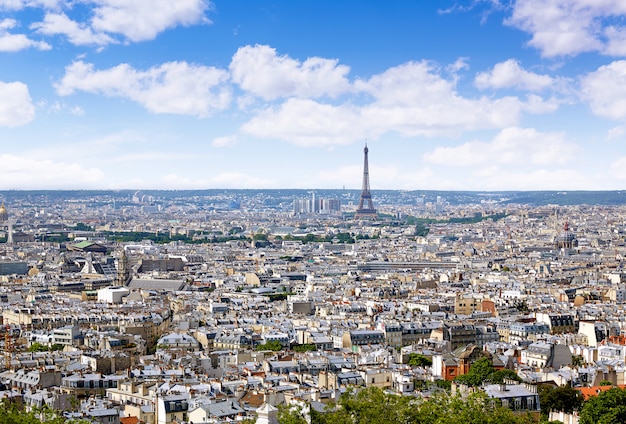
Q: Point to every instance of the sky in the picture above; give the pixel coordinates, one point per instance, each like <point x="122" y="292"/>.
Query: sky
<point x="481" y="95"/>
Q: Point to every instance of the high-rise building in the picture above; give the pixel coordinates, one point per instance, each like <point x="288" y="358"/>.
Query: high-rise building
<point x="316" y="205"/>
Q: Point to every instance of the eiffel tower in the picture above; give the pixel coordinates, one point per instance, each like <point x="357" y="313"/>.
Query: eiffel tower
<point x="366" y="207"/>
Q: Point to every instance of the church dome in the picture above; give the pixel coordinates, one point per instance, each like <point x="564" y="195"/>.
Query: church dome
<point x="566" y="238"/>
<point x="4" y="215"/>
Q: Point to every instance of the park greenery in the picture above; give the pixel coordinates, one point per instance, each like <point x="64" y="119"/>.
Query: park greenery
<point x="422" y="227"/>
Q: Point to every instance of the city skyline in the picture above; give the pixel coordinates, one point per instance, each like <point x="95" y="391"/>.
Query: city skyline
<point x="191" y="94"/>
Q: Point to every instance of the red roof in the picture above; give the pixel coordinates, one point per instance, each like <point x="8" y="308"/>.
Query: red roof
<point x="596" y="390"/>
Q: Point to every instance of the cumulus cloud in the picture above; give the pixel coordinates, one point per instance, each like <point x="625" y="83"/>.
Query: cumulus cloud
<point x="605" y="90"/>
<point x="16" y="42"/>
<point x="16" y="107"/>
<point x="113" y="21"/>
<point x="77" y="33"/>
<point x="27" y="173"/>
<point x="141" y="20"/>
<point x="15" y="5"/>
<point x="261" y="71"/>
<point x="538" y="105"/>
<point x="308" y="123"/>
<point x="616" y="41"/>
<point x="509" y="74"/>
<point x="413" y="99"/>
<point x="510" y="147"/>
<point x="570" y="27"/>
<point x="173" y="87"/>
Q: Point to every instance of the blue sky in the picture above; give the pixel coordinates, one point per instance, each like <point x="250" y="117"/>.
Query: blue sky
<point x="450" y="95"/>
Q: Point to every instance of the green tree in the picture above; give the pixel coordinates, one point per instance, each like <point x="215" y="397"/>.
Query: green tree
<point x="419" y="360"/>
<point x="307" y="347"/>
<point x="81" y="226"/>
<point x="373" y="406"/>
<point x="57" y="346"/>
<point x="12" y="413"/>
<point x="478" y="373"/>
<point x="291" y="414"/>
<point x="483" y="371"/>
<point x="500" y="376"/>
<point x="607" y="408"/>
<point x="578" y="361"/>
<point x="271" y="345"/>
<point x="564" y="398"/>
<point x="38" y="347"/>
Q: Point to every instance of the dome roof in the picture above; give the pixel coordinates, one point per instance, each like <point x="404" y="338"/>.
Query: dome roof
<point x="566" y="238"/>
<point x="4" y="215"/>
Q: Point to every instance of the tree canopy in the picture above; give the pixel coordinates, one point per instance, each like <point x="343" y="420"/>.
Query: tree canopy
<point x="607" y="408"/>
<point x="419" y="360"/>
<point x="565" y="398"/>
<point x="372" y="405"/>
<point x="483" y="371"/>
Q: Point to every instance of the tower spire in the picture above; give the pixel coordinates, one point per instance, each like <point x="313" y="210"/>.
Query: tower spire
<point x="366" y="207"/>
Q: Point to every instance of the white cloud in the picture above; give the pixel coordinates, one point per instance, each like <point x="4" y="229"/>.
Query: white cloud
<point x="616" y="41"/>
<point x="137" y="20"/>
<point x="260" y="71"/>
<point x="605" y="90"/>
<point x="22" y="4"/>
<point x="509" y="74"/>
<point x="16" y="107"/>
<point x="16" y="42"/>
<point x="308" y="123"/>
<point x="514" y="146"/>
<point x="27" y="173"/>
<point x="616" y="132"/>
<point x="225" y="141"/>
<point x="173" y="87"/>
<point x="140" y="20"/>
<point x="569" y="27"/>
<point x="411" y="83"/>
<point x="412" y="99"/>
<point x="77" y="33"/>
<point x="77" y="110"/>
<point x="537" y="105"/>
